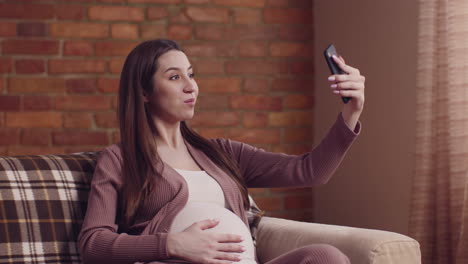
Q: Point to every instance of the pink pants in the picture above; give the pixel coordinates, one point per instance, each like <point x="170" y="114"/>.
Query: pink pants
<point x="312" y="254"/>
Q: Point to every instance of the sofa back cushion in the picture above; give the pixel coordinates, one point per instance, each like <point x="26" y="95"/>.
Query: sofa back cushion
<point x="42" y="205"/>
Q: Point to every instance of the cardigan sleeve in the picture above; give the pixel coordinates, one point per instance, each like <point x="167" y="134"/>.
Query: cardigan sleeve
<point x="266" y="169"/>
<point x="98" y="240"/>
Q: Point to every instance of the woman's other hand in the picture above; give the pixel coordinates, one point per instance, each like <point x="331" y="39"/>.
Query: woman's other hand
<point x="197" y="246"/>
<point x="349" y="85"/>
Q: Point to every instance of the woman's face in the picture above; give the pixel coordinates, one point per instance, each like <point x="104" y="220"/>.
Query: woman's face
<point x="174" y="88"/>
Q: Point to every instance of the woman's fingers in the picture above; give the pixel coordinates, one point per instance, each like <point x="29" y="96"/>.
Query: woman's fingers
<point x="348" y="85"/>
<point x="348" y="69"/>
<point x="228" y="256"/>
<point x="348" y="93"/>
<point x="225" y="247"/>
<point x="228" y="238"/>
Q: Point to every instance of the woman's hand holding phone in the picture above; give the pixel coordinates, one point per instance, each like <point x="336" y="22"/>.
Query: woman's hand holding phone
<point x="350" y="85"/>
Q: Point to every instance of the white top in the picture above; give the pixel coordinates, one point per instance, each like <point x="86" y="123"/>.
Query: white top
<point x="206" y="201"/>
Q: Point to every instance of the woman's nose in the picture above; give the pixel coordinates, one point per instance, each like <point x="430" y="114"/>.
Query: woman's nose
<point x="190" y="86"/>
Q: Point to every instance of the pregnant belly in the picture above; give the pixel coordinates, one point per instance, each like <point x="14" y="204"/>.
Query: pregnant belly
<point x="229" y="223"/>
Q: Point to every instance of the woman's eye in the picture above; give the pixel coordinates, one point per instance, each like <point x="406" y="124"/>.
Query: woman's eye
<point x="175" y="77"/>
<point x="192" y="75"/>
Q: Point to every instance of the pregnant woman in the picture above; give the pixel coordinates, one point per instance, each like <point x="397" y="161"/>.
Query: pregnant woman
<point x="164" y="194"/>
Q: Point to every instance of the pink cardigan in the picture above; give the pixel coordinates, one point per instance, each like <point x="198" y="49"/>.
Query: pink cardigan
<point x="100" y="240"/>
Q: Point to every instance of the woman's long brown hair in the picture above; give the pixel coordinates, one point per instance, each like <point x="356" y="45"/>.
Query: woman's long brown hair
<point x="137" y="131"/>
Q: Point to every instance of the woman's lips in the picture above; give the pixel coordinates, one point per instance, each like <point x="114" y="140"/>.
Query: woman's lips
<point x="189" y="101"/>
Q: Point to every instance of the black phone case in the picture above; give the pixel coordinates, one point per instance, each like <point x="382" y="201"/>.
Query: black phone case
<point x="334" y="68"/>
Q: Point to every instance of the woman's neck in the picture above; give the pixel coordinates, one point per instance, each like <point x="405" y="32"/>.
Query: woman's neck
<point x="169" y="134"/>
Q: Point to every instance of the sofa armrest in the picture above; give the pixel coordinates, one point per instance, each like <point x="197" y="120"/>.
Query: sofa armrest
<point x="364" y="246"/>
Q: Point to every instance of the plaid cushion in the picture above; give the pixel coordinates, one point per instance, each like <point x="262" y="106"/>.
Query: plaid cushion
<point x="42" y="204"/>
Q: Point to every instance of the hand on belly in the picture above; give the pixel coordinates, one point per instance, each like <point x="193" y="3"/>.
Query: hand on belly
<point x="225" y="233"/>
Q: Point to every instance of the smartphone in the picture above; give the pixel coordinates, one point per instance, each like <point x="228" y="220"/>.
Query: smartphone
<point x="334" y="68"/>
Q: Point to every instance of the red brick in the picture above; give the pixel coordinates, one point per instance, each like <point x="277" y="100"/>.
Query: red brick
<point x="240" y="32"/>
<point x="71" y="12"/>
<point x="36" y="136"/>
<point x="179" y="32"/>
<point x="256" y="86"/>
<point x="7" y="29"/>
<point x="255" y="136"/>
<point x="81" y="85"/>
<point x="219" y="85"/>
<point x="5" y="65"/>
<point x="108" y="85"/>
<point x="38" y="103"/>
<point x="212" y="132"/>
<point x="115" y="102"/>
<point x="253" y="49"/>
<point x="80" y="138"/>
<point x="302" y="67"/>
<point x="210" y="32"/>
<point x="215" y="119"/>
<point x="297" y="135"/>
<point x="30" y="47"/>
<point x="33" y="119"/>
<point x="153" y="31"/>
<point x="9" y="136"/>
<point x="116" y="65"/>
<point x="31" y="29"/>
<point x="78" y="48"/>
<point x="115" y="136"/>
<point x="299" y="201"/>
<point x="88" y="102"/>
<point x="112" y="1"/>
<point x="254" y="119"/>
<point x="29" y="66"/>
<point x="212" y="102"/>
<point x="197" y="1"/>
<point x="256" y="67"/>
<point x="36" y="150"/>
<point x="180" y="18"/>
<point x="210" y="49"/>
<point x="256" y="102"/>
<point x="156" y="1"/>
<point x="79" y="30"/>
<point x="293" y="85"/>
<point x="2" y="85"/>
<point x="77" y="149"/>
<point x="269" y="203"/>
<point x="246" y="3"/>
<point x="36" y="85"/>
<point x="106" y="120"/>
<point x="298" y="101"/>
<point x="291" y="49"/>
<point x="290" y="3"/>
<point x="9" y="103"/>
<point x="78" y="120"/>
<point x="296" y="33"/>
<point x="247" y="16"/>
<point x="208" y="66"/>
<point x="26" y="11"/>
<point x="109" y="48"/>
<point x="116" y="13"/>
<point x="287" y="16"/>
<point x="155" y="13"/>
<point x="208" y="14"/>
<point x="296" y="118"/>
<point x="124" y="31"/>
<point x="76" y="66"/>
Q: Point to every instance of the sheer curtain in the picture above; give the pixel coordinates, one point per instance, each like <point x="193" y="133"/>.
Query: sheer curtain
<point x="439" y="215"/>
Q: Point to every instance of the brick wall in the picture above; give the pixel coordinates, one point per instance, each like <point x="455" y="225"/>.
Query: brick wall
<point x="60" y="63"/>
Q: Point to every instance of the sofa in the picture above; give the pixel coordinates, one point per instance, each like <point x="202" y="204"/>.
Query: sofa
<point x="43" y="202"/>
